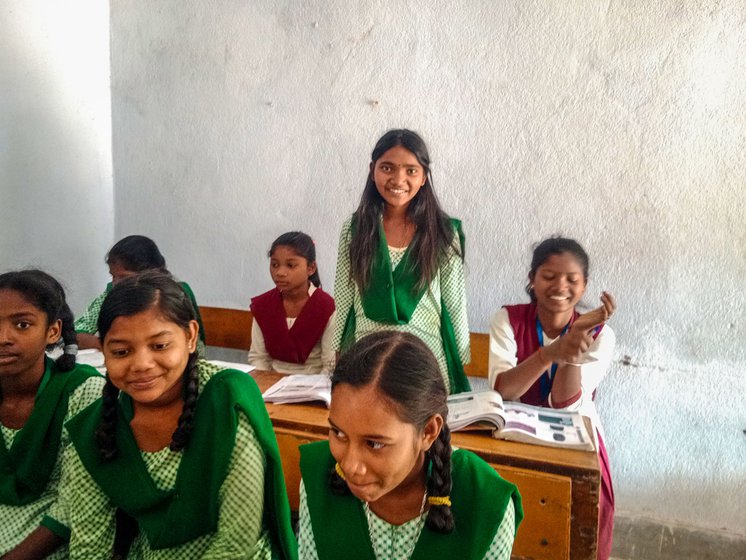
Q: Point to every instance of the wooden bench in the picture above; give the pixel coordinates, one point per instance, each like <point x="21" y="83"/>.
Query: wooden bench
<point x="231" y="328"/>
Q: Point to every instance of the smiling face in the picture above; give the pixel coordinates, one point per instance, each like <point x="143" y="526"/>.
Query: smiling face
<point x="146" y="355"/>
<point x="559" y="283"/>
<point x="24" y="336"/>
<point x="398" y="176"/>
<point x="377" y="451"/>
<point x="289" y="270"/>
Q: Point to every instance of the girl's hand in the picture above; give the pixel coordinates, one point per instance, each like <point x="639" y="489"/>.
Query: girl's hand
<point x="569" y="349"/>
<point x="596" y="317"/>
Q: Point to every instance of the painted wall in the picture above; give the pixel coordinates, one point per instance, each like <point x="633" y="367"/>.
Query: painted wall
<point x="621" y="125"/>
<point x="56" y="205"/>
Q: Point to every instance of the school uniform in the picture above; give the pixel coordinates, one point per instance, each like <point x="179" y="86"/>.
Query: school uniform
<point x="31" y="457"/>
<point x="436" y="314"/>
<point x="486" y="508"/>
<point x="301" y="344"/>
<point x="222" y="496"/>
<point x="515" y="334"/>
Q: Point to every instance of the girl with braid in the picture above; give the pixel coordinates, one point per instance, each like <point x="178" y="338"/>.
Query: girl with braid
<point x="179" y="445"/>
<point x="37" y="395"/>
<point x="387" y="484"/>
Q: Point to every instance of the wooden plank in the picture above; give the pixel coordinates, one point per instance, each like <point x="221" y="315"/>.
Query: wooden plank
<point x="545" y="531"/>
<point x="227" y="328"/>
<point x="480" y="353"/>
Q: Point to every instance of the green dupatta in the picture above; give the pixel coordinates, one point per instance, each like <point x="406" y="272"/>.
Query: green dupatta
<point x="392" y="297"/>
<point x="25" y="468"/>
<point x="479" y="498"/>
<point x="191" y="509"/>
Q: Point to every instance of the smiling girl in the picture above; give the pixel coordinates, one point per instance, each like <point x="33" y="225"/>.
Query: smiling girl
<point x="400" y="263"/>
<point x="184" y="448"/>
<point x="293" y="323"/>
<point x="545" y="353"/>
<point x="387" y="484"/>
<point x="37" y="395"/>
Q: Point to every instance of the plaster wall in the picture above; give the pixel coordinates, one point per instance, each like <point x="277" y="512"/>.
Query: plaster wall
<point x="56" y="199"/>
<point x="619" y="124"/>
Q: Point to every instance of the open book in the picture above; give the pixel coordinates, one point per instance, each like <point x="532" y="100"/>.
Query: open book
<point x="485" y="410"/>
<point x="300" y="388"/>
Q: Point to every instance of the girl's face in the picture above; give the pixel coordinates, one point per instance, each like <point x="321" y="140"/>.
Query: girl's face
<point x="146" y="355"/>
<point x="559" y="283"/>
<point x="398" y="176"/>
<point x="24" y="335"/>
<point x="289" y="270"/>
<point x="119" y="273"/>
<point x="376" y="450"/>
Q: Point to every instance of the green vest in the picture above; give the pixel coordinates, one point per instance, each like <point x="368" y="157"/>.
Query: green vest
<point x="25" y="468"/>
<point x="479" y="498"/>
<point x="392" y="297"/>
<point x="191" y="509"/>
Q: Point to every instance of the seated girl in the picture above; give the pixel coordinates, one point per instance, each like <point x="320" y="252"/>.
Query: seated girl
<point x="545" y="353"/>
<point x="129" y="256"/>
<point x="181" y="446"/>
<point x="293" y="322"/>
<point x="37" y="395"/>
<point x="387" y="484"/>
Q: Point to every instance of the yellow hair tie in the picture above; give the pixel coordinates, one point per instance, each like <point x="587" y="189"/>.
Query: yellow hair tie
<point x="439" y="500"/>
<point x="339" y="471"/>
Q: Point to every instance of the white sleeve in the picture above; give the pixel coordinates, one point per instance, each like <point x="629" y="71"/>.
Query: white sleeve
<point x="592" y="373"/>
<point x="258" y="355"/>
<point x="328" y="351"/>
<point x="503" y="348"/>
<point x="306" y="541"/>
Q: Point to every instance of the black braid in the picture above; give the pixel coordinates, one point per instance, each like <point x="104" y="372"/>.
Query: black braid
<point x="66" y="361"/>
<point x="180" y="438"/>
<point x="337" y="484"/>
<point x="105" y="432"/>
<point x="440" y="518"/>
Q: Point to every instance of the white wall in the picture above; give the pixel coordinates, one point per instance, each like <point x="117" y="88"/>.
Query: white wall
<point x="619" y="124"/>
<point x="56" y="210"/>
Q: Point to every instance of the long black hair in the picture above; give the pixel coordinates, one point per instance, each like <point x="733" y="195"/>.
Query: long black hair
<point x="46" y="294"/>
<point x="303" y="245"/>
<point x="137" y="253"/>
<point x="433" y="236"/>
<point x="129" y="297"/>
<point x="406" y="373"/>
<point x="555" y="246"/>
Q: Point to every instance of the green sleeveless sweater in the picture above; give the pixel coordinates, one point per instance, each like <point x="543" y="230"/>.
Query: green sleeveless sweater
<point x="479" y="497"/>
<point x="190" y="510"/>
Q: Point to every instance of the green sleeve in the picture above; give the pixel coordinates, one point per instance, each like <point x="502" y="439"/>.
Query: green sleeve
<point x="88" y="321"/>
<point x="344" y="286"/>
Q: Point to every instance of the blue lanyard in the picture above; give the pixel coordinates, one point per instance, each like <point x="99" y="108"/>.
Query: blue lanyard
<point x="547" y="378"/>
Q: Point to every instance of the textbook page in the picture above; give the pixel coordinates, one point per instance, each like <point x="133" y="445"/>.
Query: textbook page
<point x="300" y="388"/>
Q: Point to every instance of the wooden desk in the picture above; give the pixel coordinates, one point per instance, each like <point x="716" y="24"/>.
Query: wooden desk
<point x="559" y="487"/>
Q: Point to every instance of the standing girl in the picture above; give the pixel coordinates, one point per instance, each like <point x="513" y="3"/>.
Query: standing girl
<point x="294" y="322"/>
<point x="129" y="256"/>
<point x="544" y="353"/>
<point x="37" y="395"/>
<point x="181" y="446"/>
<point x="387" y="484"/>
<point x="401" y="260"/>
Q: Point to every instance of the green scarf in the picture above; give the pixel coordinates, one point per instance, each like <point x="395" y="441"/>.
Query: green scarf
<point x="479" y="498"/>
<point x="191" y="509"/>
<point x="25" y="468"/>
<point x="392" y="297"/>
